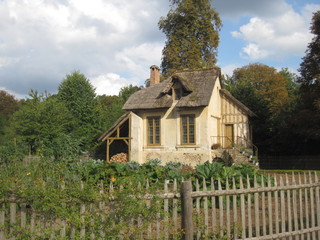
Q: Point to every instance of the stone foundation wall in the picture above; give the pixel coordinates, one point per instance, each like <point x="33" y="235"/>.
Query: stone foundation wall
<point x="186" y="156"/>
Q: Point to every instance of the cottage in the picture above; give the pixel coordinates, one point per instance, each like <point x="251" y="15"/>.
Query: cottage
<point x="188" y="117"/>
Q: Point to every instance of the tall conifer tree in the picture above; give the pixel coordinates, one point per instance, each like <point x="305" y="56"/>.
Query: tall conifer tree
<point x="192" y="29"/>
<point x="308" y="118"/>
<point x="310" y="67"/>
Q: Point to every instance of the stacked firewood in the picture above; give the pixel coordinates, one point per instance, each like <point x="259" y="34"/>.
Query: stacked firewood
<point x="119" y="158"/>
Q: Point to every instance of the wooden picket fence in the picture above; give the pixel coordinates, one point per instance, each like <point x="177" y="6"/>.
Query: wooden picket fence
<point x="278" y="207"/>
<point x="286" y="208"/>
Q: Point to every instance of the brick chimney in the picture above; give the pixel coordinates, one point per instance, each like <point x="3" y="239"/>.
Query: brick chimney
<point x="154" y="75"/>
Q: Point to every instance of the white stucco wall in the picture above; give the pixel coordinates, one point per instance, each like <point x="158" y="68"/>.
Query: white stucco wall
<point x="170" y="148"/>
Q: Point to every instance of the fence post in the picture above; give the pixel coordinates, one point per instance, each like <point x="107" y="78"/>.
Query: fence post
<point x="187" y="207"/>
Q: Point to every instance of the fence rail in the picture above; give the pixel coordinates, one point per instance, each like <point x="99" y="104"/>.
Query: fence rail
<point x="285" y="207"/>
<point x="267" y="210"/>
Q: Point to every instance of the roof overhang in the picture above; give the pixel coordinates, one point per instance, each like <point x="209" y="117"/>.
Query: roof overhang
<point x="238" y="103"/>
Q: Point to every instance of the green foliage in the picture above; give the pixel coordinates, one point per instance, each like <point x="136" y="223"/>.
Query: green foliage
<point x="126" y="92"/>
<point x="267" y="85"/>
<point x="8" y="105"/>
<point x="12" y="150"/>
<point x="209" y="170"/>
<point x="272" y="96"/>
<point x="191" y="28"/>
<point x="62" y="148"/>
<point x="78" y="95"/>
<point x="308" y="115"/>
<point x="217" y="170"/>
<point x="41" y="118"/>
<point x="55" y="191"/>
<point x="110" y="108"/>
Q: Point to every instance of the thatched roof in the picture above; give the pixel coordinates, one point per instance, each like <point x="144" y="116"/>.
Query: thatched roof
<point x="197" y="86"/>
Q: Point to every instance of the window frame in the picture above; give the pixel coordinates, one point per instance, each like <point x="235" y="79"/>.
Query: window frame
<point x="154" y="135"/>
<point x="177" y="93"/>
<point x="188" y="129"/>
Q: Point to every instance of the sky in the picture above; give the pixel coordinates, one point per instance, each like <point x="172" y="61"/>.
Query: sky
<point x="114" y="42"/>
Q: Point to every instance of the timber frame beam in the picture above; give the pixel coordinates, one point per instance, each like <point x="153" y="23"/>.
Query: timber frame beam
<point x="115" y="135"/>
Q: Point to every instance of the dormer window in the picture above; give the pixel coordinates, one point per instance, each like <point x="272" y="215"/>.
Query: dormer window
<point x="176" y="88"/>
<point x="177" y="93"/>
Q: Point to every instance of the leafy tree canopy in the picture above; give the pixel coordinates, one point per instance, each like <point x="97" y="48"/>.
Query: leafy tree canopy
<point x="308" y="116"/>
<point x="42" y="118"/>
<point x="127" y="91"/>
<point x="191" y="28"/>
<point x="8" y="104"/>
<point x="267" y="93"/>
<point x="266" y="85"/>
<point x="78" y="95"/>
<point x="310" y="68"/>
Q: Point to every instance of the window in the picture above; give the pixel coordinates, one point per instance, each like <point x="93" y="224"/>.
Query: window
<point x="153" y="128"/>
<point x="188" y="129"/>
<point x="177" y="93"/>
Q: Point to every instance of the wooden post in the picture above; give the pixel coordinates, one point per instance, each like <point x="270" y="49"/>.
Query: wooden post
<point x="108" y="150"/>
<point x="166" y="212"/>
<point x="13" y="214"/>
<point x="186" y="203"/>
<point x="63" y="221"/>
<point x="175" y="207"/>
<point x="213" y="207"/>
<point x="198" y="210"/>
<point x="82" y="216"/>
<point x="2" y="220"/>
<point x="317" y="202"/>
<point x="205" y="207"/>
<point x="221" y="222"/>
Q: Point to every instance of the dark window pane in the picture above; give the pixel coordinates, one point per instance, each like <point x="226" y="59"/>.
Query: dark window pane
<point x="184" y="120"/>
<point x="191" y="119"/>
<point x="153" y="130"/>
<point x="188" y="129"/>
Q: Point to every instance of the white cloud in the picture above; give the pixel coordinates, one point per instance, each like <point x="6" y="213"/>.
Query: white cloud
<point x="42" y="41"/>
<point x="254" y="52"/>
<point x="139" y="58"/>
<point x="135" y="60"/>
<point x="228" y="69"/>
<point x="284" y="35"/>
<point x="108" y="84"/>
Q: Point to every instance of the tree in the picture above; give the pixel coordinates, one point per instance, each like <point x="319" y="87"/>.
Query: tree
<point x="111" y="106"/>
<point x="8" y="105"/>
<point x="126" y="92"/>
<point x="308" y="116"/>
<point x="265" y="92"/>
<point x="191" y="28"/>
<point x="310" y="68"/>
<point x="268" y="85"/>
<point x="42" y="118"/>
<point x="78" y="95"/>
<point x="292" y="83"/>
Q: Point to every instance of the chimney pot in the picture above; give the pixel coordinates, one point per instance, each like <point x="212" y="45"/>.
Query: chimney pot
<point x="154" y="75"/>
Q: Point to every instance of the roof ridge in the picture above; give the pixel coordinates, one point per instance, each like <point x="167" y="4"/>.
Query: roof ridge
<point x="198" y="69"/>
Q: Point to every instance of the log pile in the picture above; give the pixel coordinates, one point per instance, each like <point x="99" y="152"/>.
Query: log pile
<point x="119" y="158"/>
